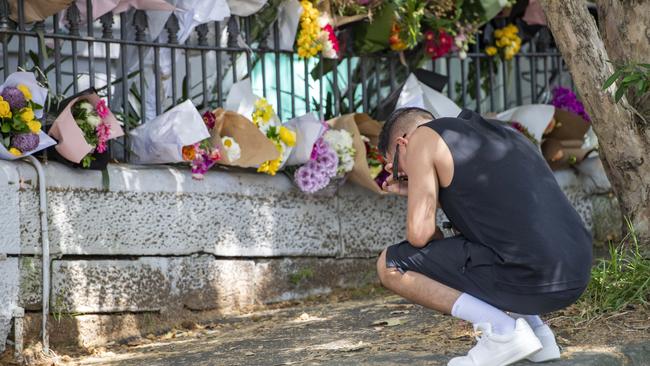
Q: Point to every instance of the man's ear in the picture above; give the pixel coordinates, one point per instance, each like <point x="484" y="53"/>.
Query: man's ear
<point x="402" y="140"/>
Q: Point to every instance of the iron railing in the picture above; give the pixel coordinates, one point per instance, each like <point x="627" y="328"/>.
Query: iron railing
<point x="139" y="74"/>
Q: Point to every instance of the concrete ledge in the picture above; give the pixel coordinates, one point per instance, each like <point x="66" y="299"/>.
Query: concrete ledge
<point x="197" y="282"/>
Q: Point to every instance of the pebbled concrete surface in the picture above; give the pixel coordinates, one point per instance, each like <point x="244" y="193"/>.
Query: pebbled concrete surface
<point x="383" y="330"/>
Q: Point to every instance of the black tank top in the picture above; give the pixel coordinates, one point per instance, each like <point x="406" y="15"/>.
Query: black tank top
<point x="504" y="196"/>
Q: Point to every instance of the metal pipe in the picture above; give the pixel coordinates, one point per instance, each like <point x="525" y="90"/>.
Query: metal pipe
<point x="45" y="251"/>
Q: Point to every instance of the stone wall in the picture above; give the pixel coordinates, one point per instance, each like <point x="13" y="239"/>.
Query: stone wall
<point x="152" y="240"/>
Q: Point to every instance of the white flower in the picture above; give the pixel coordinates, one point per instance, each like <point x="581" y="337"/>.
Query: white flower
<point x="93" y="119"/>
<point x="86" y="106"/>
<point x="341" y="142"/>
<point x="231" y="148"/>
<point x="462" y="55"/>
<point x="328" y="50"/>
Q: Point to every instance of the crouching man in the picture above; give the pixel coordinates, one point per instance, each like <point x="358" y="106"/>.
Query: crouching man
<point x="522" y="249"/>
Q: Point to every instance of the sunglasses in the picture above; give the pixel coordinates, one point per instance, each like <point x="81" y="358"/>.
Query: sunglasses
<point x="396" y="176"/>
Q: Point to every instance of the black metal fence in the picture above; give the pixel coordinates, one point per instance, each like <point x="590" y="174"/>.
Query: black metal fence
<point x="142" y="73"/>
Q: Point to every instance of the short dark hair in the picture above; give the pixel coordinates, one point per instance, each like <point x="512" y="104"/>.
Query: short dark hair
<point x="397" y="122"/>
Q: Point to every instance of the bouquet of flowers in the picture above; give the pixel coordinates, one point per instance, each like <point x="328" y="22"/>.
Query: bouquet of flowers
<point x="316" y="33"/>
<point x="165" y="138"/>
<point x="202" y="155"/>
<point x="21" y="105"/>
<point x="564" y="98"/>
<point x="341" y="142"/>
<point x="317" y="173"/>
<point x="375" y="160"/>
<point x="83" y="128"/>
<point x="507" y="43"/>
<point x="265" y="119"/>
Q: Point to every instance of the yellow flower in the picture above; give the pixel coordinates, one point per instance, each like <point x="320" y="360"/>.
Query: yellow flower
<point x="498" y="33"/>
<point x="34" y="126"/>
<point x="270" y="167"/>
<point x="287" y="136"/>
<point x="26" y="114"/>
<point x="512" y="28"/>
<point x="15" y="152"/>
<point x="25" y="90"/>
<point x="491" y="50"/>
<point x="5" y="109"/>
<point x="268" y="113"/>
<point x="307" y="41"/>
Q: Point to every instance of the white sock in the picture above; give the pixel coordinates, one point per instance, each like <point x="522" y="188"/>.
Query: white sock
<point x="533" y="320"/>
<point x="476" y="311"/>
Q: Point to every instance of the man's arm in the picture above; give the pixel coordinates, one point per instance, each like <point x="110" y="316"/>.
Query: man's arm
<point x="422" y="188"/>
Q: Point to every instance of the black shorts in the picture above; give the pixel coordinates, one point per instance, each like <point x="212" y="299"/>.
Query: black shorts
<point x="467" y="267"/>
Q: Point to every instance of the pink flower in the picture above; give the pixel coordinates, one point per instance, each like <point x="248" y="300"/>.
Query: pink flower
<point x="101" y="109"/>
<point x="103" y="135"/>
<point x="208" y="118"/>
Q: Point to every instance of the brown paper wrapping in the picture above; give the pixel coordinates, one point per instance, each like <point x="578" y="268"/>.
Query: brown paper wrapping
<point x="568" y="126"/>
<point x="255" y="147"/>
<point x="358" y="124"/>
<point x="72" y="142"/>
<point x="562" y="154"/>
<point x="37" y="10"/>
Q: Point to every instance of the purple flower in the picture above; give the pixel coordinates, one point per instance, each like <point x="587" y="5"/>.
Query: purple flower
<point x="14" y="97"/>
<point x="25" y="142"/>
<point x="319" y="148"/>
<point x="565" y="99"/>
<point x="309" y="179"/>
<point x="329" y="162"/>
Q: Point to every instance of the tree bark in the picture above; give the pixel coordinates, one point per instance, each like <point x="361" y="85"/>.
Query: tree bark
<point x="624" y="142"/>
<point x="625" y="28"/>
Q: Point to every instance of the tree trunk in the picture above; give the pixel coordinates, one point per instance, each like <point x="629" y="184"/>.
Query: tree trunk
<point x="624" y="141"/>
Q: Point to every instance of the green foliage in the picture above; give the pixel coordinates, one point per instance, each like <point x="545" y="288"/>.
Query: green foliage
<point x="633" y="77"/>
<point x="410" y="14"/>
<point x="470" y="81"/>
<point x="619" y="281"/>
<point x="303" y="274"/>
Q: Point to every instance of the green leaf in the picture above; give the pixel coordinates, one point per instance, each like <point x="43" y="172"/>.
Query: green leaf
<point x="631" y="78"/>
<point x="640" y="85"/>
<point x="619" y="94"/>
<point x="6" y="127"/>
<point x="611" y="79"/>
<point x="647" y="66"/>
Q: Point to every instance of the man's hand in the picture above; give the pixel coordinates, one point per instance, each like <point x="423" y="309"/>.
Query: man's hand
<point x="391" y="186"/>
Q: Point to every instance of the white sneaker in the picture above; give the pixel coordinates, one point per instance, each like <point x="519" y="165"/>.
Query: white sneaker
<point x="550" y="351"/>
<point x="500" y="350"/>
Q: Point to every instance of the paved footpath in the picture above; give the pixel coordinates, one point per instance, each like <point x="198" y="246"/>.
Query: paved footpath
<point x="380" y="330"/>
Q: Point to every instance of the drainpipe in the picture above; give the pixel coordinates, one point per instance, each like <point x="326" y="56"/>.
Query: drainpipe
<point x="45" y="244"/>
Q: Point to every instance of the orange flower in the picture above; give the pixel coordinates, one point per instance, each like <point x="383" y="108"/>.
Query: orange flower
<point x="189" y="152"/>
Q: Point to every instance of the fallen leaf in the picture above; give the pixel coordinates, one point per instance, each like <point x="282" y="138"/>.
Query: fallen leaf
<point x="390" y="322"/>
<point x="395" y="312"/>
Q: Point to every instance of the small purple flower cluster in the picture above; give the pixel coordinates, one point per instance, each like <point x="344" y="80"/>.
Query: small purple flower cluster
<point x="316" y="174"/>
<point x="25" y="141"/>
<point x="14" y="97"/>
<point x="564" y="98"/>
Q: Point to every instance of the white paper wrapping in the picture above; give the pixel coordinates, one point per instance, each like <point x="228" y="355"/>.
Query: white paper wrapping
<point x="244" y="8"/>
<point x="288" y="19"/>
<point x="39" y="96"/>
<point x="241" y="98"/>
<point x="417" y="94"/>
<point x="535" y="117"/>
<point x="308" y="129"/>
<point x="161" y="140"/>
<point x="45" y="142"/>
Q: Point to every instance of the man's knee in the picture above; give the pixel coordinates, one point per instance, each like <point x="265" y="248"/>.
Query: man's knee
<point x="386" y="274"/>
